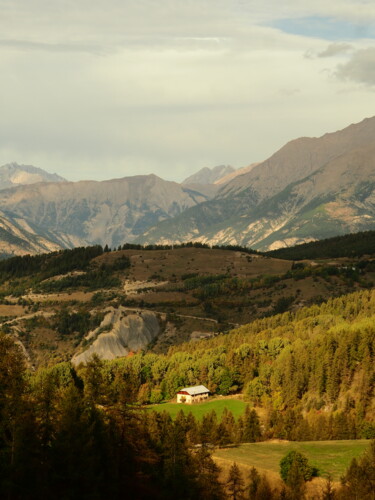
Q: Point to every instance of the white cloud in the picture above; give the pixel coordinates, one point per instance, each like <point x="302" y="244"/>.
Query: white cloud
<point x="102" y="89"/>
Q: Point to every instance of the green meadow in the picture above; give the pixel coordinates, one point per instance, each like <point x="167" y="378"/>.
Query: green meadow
<point x="330" y="457"/>
<point x="236" y="406"/>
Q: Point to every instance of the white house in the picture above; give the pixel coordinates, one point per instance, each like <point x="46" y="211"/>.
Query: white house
<point x="191" y="395"/>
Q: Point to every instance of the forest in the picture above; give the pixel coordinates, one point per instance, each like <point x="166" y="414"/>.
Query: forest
<point x="318" y="360"/>
<point x="86" y="432"/>
<point x="68" y="434"/>
<point x="349" y="245"/>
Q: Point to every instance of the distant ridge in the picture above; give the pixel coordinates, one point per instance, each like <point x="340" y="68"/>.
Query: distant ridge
<point x="209" y="175"/>
<point x="109" y="212"/>
<point x="13" y="174"/>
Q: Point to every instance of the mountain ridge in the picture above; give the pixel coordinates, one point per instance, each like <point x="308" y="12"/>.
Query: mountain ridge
<point x="107" y="212"/>
<point x="273" y="205"/>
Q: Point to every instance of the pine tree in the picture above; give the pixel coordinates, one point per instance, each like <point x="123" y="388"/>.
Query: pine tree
<point x="210" y="487"/>
<point x="235" y="483"/>
<point x="254" y="481"/>
<point x="251" y="429"/>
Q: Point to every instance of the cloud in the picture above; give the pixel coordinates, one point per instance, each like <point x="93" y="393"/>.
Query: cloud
<point x="360" y="68"/>
<point x="334" y="49"/>
<point x="105" y="89"/>
<point x="24" y="45"/>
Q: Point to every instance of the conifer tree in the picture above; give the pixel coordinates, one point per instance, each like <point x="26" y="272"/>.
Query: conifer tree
<point x="235" y="483"/>
<point x="254" y="481"/>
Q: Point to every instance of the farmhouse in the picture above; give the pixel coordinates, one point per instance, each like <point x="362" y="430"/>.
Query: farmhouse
<point x="191" y="395"/>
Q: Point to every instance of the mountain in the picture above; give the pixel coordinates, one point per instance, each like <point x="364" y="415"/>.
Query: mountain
<point x="19" y="238"/>
<point x="109" y="212"/>
<point x="13" y="174"/>
<point x="235" y="173"/>
<point x="312" y="188"/>
<point x="209" y="175"/>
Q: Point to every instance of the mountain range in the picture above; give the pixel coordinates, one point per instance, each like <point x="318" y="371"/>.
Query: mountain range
<point x="312" y="188"/>
<point x="109" y="212"/>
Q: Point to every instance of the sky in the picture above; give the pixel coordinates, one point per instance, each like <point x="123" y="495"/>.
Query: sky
<point x="94" y="89"/>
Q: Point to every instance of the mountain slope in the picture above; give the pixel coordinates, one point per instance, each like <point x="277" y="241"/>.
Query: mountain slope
<point x="19" y="238"/>
<point x="13" y="174"/>
<point x="310" y="189"/>
<point x="112" y="212"/>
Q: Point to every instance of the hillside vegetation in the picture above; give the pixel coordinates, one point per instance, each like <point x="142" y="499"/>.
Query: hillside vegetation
<point x="317" y="360"/>
<point x="349" y="245"/>
<point x="311" y="371"/>
<point x="194" y="292"/>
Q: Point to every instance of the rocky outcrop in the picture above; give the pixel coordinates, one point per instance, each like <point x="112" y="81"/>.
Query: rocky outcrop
<point x="120" y="333"/>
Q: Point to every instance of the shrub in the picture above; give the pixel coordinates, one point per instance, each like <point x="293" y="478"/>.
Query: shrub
<point x="298" y="464"/>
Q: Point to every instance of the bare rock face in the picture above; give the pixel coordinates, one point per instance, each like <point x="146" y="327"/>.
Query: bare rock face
<point x="123" y="333"/>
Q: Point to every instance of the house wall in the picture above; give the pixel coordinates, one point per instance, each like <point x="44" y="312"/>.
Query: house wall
<point x="191" y="399"/>
<point x="184" y="398"/>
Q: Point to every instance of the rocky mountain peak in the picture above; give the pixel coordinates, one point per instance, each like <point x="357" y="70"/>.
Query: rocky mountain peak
<point x="209" y="175"/>
<point x="12" y="174"/>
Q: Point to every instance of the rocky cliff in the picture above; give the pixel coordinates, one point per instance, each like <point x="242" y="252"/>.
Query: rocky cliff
<point x="119" y="334"/>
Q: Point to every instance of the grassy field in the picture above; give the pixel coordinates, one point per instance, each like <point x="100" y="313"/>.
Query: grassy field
<point x="328" y="456"/>
<point x="236" y="406"/>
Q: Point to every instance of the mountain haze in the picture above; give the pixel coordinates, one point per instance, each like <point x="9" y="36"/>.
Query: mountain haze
<point x="310" y="189"/>
<point x="235" y="173"/>
<point x="209" y="175"/>
<point x="13" y="174"/>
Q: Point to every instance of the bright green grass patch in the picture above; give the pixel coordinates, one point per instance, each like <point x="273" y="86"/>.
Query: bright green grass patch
<point x="331" y="457"/>
<point x="236" y="406"/>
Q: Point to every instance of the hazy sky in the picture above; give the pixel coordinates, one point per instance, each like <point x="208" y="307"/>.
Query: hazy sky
<point x="102" y="89"/>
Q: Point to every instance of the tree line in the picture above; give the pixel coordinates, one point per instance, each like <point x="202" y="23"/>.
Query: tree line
<point x="349" y="245"/>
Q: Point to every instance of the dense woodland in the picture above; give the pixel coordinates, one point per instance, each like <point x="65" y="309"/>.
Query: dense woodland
<point x="68" y="434"/>
<point x="349" y="245"/>
<point x="318" y="361"/>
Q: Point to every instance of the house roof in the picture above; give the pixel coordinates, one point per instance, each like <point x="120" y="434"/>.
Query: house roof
<point x="193" y="391"/>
